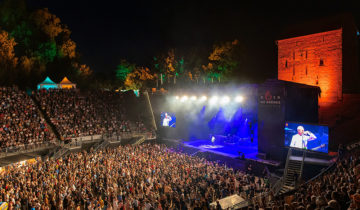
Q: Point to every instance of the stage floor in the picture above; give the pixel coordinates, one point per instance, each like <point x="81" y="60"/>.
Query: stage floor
<point x="246" y="147"/>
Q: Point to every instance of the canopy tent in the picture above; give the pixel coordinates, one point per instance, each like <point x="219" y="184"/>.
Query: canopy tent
<point x="47" y="84"/>
<point x="66" y="84"/>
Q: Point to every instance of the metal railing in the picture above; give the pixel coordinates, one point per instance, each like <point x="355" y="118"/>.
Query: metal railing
<point x="10" y="151"/>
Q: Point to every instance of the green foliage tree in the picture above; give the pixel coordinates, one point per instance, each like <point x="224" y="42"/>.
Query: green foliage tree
<point x="44" y="46"/>
<point x="122" y="71"/>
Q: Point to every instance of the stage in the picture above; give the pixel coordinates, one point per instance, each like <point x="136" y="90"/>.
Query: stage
<point x="232" y="150"/>
<point x="229" y="149"/>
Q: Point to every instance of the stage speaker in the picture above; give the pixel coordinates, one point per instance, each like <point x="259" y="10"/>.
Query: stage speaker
<point x="261" y="156"/>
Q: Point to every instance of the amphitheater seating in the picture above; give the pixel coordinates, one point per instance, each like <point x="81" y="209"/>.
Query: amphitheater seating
<point x="20" y="121"/>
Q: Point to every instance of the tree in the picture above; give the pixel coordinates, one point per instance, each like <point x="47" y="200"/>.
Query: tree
<point x="223" y="60"/>
<point x="158" y="68"/>
<point x="68" y="49"/>
<point x="49" y="24"/>
<point x="136" y="79"/>
<point x="170" y="64"/>
<point x="8" y="60"/>
<point x="122" y="71"/>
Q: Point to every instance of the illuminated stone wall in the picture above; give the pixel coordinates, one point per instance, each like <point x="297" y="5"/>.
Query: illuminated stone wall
<point x="314" y="59"/>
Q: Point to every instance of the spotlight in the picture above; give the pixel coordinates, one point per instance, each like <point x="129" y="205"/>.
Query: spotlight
<point x="239" y="99"/>
<point x="177" y="97"/>
<point x="225" y="100"/>
<point x="203" y="98"/>
<point x="184" y="98"/>
<point x="193" y="98"/>
<point x="213" y="99"/>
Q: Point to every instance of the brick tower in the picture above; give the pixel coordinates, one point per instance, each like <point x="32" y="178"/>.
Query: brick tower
<point x="325" y="54"/>
<point x="314" y="59"/>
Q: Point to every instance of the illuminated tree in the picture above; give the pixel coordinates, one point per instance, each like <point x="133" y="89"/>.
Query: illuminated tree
<point x="8" y="60"/>
<point x="223" y="60"/>
<point x="170" y="64"/>
<point x="46" y="52"/>
<point x="68" y="49"/>
<point x="48" y="23"/>
<point x="136" y="79"/>
<point x="158" y="68"/>
<point x="122" y="71"/>
<point x="27" y="63"/>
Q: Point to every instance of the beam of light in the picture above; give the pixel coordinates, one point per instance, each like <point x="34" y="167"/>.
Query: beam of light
<point x="184" y="98"/>
<point x="239" y="99"/>
<point x="213" y="100"/>
<point x="225" y="100"/>
<point x="193" y="98"/>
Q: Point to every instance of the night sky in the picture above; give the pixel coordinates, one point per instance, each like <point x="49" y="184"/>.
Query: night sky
<point x="107" y="31"/>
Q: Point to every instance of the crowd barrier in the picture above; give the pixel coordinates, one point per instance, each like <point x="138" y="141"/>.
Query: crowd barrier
<point x="78" y="141"/>
<point x="26" y="148"/>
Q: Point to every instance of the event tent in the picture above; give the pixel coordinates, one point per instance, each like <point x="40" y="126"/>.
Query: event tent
<point x="66" y="84"/>
<point x="47" y="84"/>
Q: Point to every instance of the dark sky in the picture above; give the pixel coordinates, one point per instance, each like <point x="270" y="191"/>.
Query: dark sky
<point x="107" y="31"/>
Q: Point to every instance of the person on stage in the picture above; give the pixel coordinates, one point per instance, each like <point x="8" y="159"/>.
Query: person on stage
<point x="166" y="120"/>
<point x="212" y="139"/>
<point x="301" y="139"/>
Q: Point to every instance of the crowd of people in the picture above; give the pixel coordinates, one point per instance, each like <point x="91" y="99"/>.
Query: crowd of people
<point x="146" y="176"/>
<point x="76" y="113"/>
<point x="338" y="188"/>
<point x="21" y="124"/>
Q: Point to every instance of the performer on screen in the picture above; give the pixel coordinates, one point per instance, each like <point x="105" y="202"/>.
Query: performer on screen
<point x="166" y="120"/>
<point x="301" y="139"/>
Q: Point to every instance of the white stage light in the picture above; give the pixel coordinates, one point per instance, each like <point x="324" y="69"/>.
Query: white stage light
<point x="239" y="99"/>
<point x="177" y="97"/>
<point x="193" y="98"/>
<point x="225" y="100"/>
<point x="213" y="100"/>
<point x="184" y="98"/>
<point x="203" y="98"/>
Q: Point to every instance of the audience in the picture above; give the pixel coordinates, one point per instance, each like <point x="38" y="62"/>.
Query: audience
<point x="76" y="114"/>
<point x="146" y="176"/>
<point x="336" y="189"/>
<point x="20" y="121"/>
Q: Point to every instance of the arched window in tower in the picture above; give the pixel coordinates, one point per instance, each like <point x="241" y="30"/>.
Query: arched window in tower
<point x="306" y="72"/>
<point x="286" y="64"/>
<point x="321" y="62"/>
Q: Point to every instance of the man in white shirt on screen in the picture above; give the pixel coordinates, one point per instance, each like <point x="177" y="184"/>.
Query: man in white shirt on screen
<point x="166" y="120"/>
<point x="301" y="139"/>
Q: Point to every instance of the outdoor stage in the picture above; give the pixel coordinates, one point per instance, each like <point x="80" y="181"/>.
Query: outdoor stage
<point x="229" y="149"/>
<point x="233" y="150"/>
